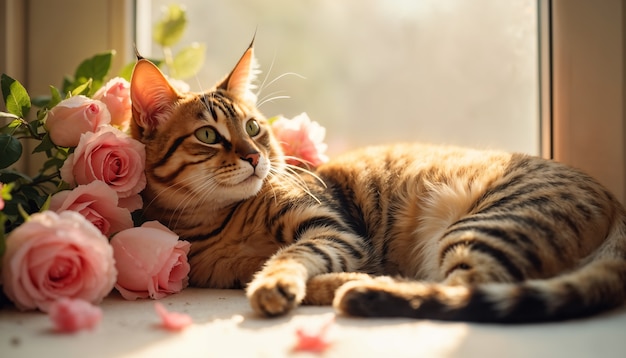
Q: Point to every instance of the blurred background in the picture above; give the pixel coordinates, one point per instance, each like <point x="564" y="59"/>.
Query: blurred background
<point x="370" y="71"/>
<point x="544" y="77"/>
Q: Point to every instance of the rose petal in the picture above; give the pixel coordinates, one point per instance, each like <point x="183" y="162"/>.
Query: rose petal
<point x="172" y="321"/>
<point x="72" y="315"/>
<point x="315" y="342"/>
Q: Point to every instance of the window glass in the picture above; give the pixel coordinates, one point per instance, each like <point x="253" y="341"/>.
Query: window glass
<point x="373" y="71"/>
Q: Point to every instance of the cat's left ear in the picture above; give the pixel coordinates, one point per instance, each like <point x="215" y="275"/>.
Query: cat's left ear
<point x="239" y="81"/>
<point x="152" y="98"/>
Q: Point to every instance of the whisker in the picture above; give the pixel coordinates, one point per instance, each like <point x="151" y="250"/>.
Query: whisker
<point x="286" y="74"/>
<point x="290" y="176"/>
<point x="271" y="99"/>
<point x="267" y="75"/>
<point x="187" y="181"/>
<point x="307" y="171"/>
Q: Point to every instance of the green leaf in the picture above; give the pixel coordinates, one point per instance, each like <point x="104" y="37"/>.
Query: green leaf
<point x="95" y="67"/>
<point x="5" y="191"/>
<point x="9" y="175"/>
<point x="16" y="123"/>
<point x="15" y="96"/>
<point x="92" y="72"/>
<point x="68" y="84"/>
<point x="55" y="97"/>
<point x="46" y="204"/>
<point x="10" y="150"/>
<point x="127" y="71"/>
<point x="46" y="144"/>
<point x="189" y="61"/>
<point x="82" y="88"/>
<point x="170" y="28"/>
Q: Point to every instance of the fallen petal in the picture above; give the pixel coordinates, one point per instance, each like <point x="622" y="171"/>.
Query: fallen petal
<point x="72" y="315"/>
<point x="314" y="342"/>
<point x="172" y="321"/>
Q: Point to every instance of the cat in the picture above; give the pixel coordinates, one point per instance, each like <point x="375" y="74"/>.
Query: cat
<point x="408" y="230"/>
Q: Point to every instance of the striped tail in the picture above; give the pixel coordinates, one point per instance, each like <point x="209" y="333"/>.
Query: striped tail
<point x="595" y="286"/>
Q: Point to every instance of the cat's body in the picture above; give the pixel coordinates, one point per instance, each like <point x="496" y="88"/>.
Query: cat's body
<point x="473" y="235"/>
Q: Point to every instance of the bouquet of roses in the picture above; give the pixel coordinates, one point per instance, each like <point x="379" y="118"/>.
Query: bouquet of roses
<point x="67" y="234"/>
<point x="56" y="226"/>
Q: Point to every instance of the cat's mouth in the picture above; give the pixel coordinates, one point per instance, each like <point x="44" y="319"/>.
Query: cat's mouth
<point x="251" y="180"/>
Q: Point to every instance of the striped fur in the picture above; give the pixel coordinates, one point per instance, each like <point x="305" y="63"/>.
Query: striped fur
<point x="403" y="230"/>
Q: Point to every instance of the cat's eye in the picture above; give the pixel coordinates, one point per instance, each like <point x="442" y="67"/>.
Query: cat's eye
<point x="252" y="127"/>
<point x="207" y="135"/>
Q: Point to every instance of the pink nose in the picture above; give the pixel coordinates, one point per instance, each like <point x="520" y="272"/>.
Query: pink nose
<point x="252" y="158"/>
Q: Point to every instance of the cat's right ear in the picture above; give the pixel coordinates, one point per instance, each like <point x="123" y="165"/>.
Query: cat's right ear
<point x="152" y="98"/>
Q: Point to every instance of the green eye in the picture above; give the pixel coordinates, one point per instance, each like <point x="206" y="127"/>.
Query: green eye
<point x="252" y="127"/>
<point x="207" y="135"/>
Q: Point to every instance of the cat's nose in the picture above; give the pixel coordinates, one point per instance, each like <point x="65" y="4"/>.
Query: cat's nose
<point x="252" y="158"/>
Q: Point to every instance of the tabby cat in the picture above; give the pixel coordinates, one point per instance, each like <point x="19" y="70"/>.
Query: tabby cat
<point x="402" y="230"/>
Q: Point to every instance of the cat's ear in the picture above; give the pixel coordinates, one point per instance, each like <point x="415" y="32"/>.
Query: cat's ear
<point x="239" y="81"/>
<point x="152" y="98"/>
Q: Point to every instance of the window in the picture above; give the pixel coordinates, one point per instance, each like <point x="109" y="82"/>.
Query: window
<point x="368" y="79"/>
<point x="453" y="71"/>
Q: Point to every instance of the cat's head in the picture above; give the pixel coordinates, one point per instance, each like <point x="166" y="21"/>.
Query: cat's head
<point x="214" y="146"/>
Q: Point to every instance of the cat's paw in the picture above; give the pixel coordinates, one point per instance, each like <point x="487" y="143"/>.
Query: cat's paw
<point x="372" y="298"/>
<point x="275" y="295"/>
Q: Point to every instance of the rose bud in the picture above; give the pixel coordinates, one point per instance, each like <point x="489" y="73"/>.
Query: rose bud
<point x="74" y="116"/>
<point x="151" y="261"/>
<point x="115" y="94"/>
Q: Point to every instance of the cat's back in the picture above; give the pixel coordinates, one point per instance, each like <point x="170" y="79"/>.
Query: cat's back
<point x="413" y="192"/>
<point x="425" y="162"/>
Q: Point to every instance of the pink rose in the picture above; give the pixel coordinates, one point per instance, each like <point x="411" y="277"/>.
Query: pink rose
<point x="302" y="140"/>
<point x="97" y="202"/>
<point x="151" y="261"/>
<point x="55" y="255"/>
<point x="113" y="157"/>
<point x="72" y="315"/>
<point x="74" y="116"/>
<point x="115" y="94"/>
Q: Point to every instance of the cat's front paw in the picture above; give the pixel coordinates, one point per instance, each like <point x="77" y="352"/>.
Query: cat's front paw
<point x="274" y="296"/>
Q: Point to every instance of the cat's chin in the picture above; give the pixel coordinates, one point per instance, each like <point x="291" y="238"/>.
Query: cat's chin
<point x="245" y="189"/>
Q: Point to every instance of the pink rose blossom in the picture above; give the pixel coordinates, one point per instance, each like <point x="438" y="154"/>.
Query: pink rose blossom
<point x="151" y="261"/>
<point x="72" y="315"/>
<point x="97" y="202"/>
<point x="74" y="116"/>
<point x="115" y="94"/>
<point x="302" y="140"/>
<point x="52" y="256"/>
<point x="172" y="321"/>
<point x="113" y="157"/>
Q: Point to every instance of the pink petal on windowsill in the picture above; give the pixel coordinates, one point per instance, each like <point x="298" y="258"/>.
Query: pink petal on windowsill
<point x="72" y="315"/>
<point x="172" y="321"/>
<point x="314" y="342"/>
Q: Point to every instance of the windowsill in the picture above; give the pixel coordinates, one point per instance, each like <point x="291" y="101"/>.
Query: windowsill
<point x="224" y="326"/>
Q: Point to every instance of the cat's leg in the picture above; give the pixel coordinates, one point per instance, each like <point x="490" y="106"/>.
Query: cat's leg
<point x="281" y="284"/>
<point x="320" y="290"/>
<point x="463" y="262"/>
<point x="391" y="297"/>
